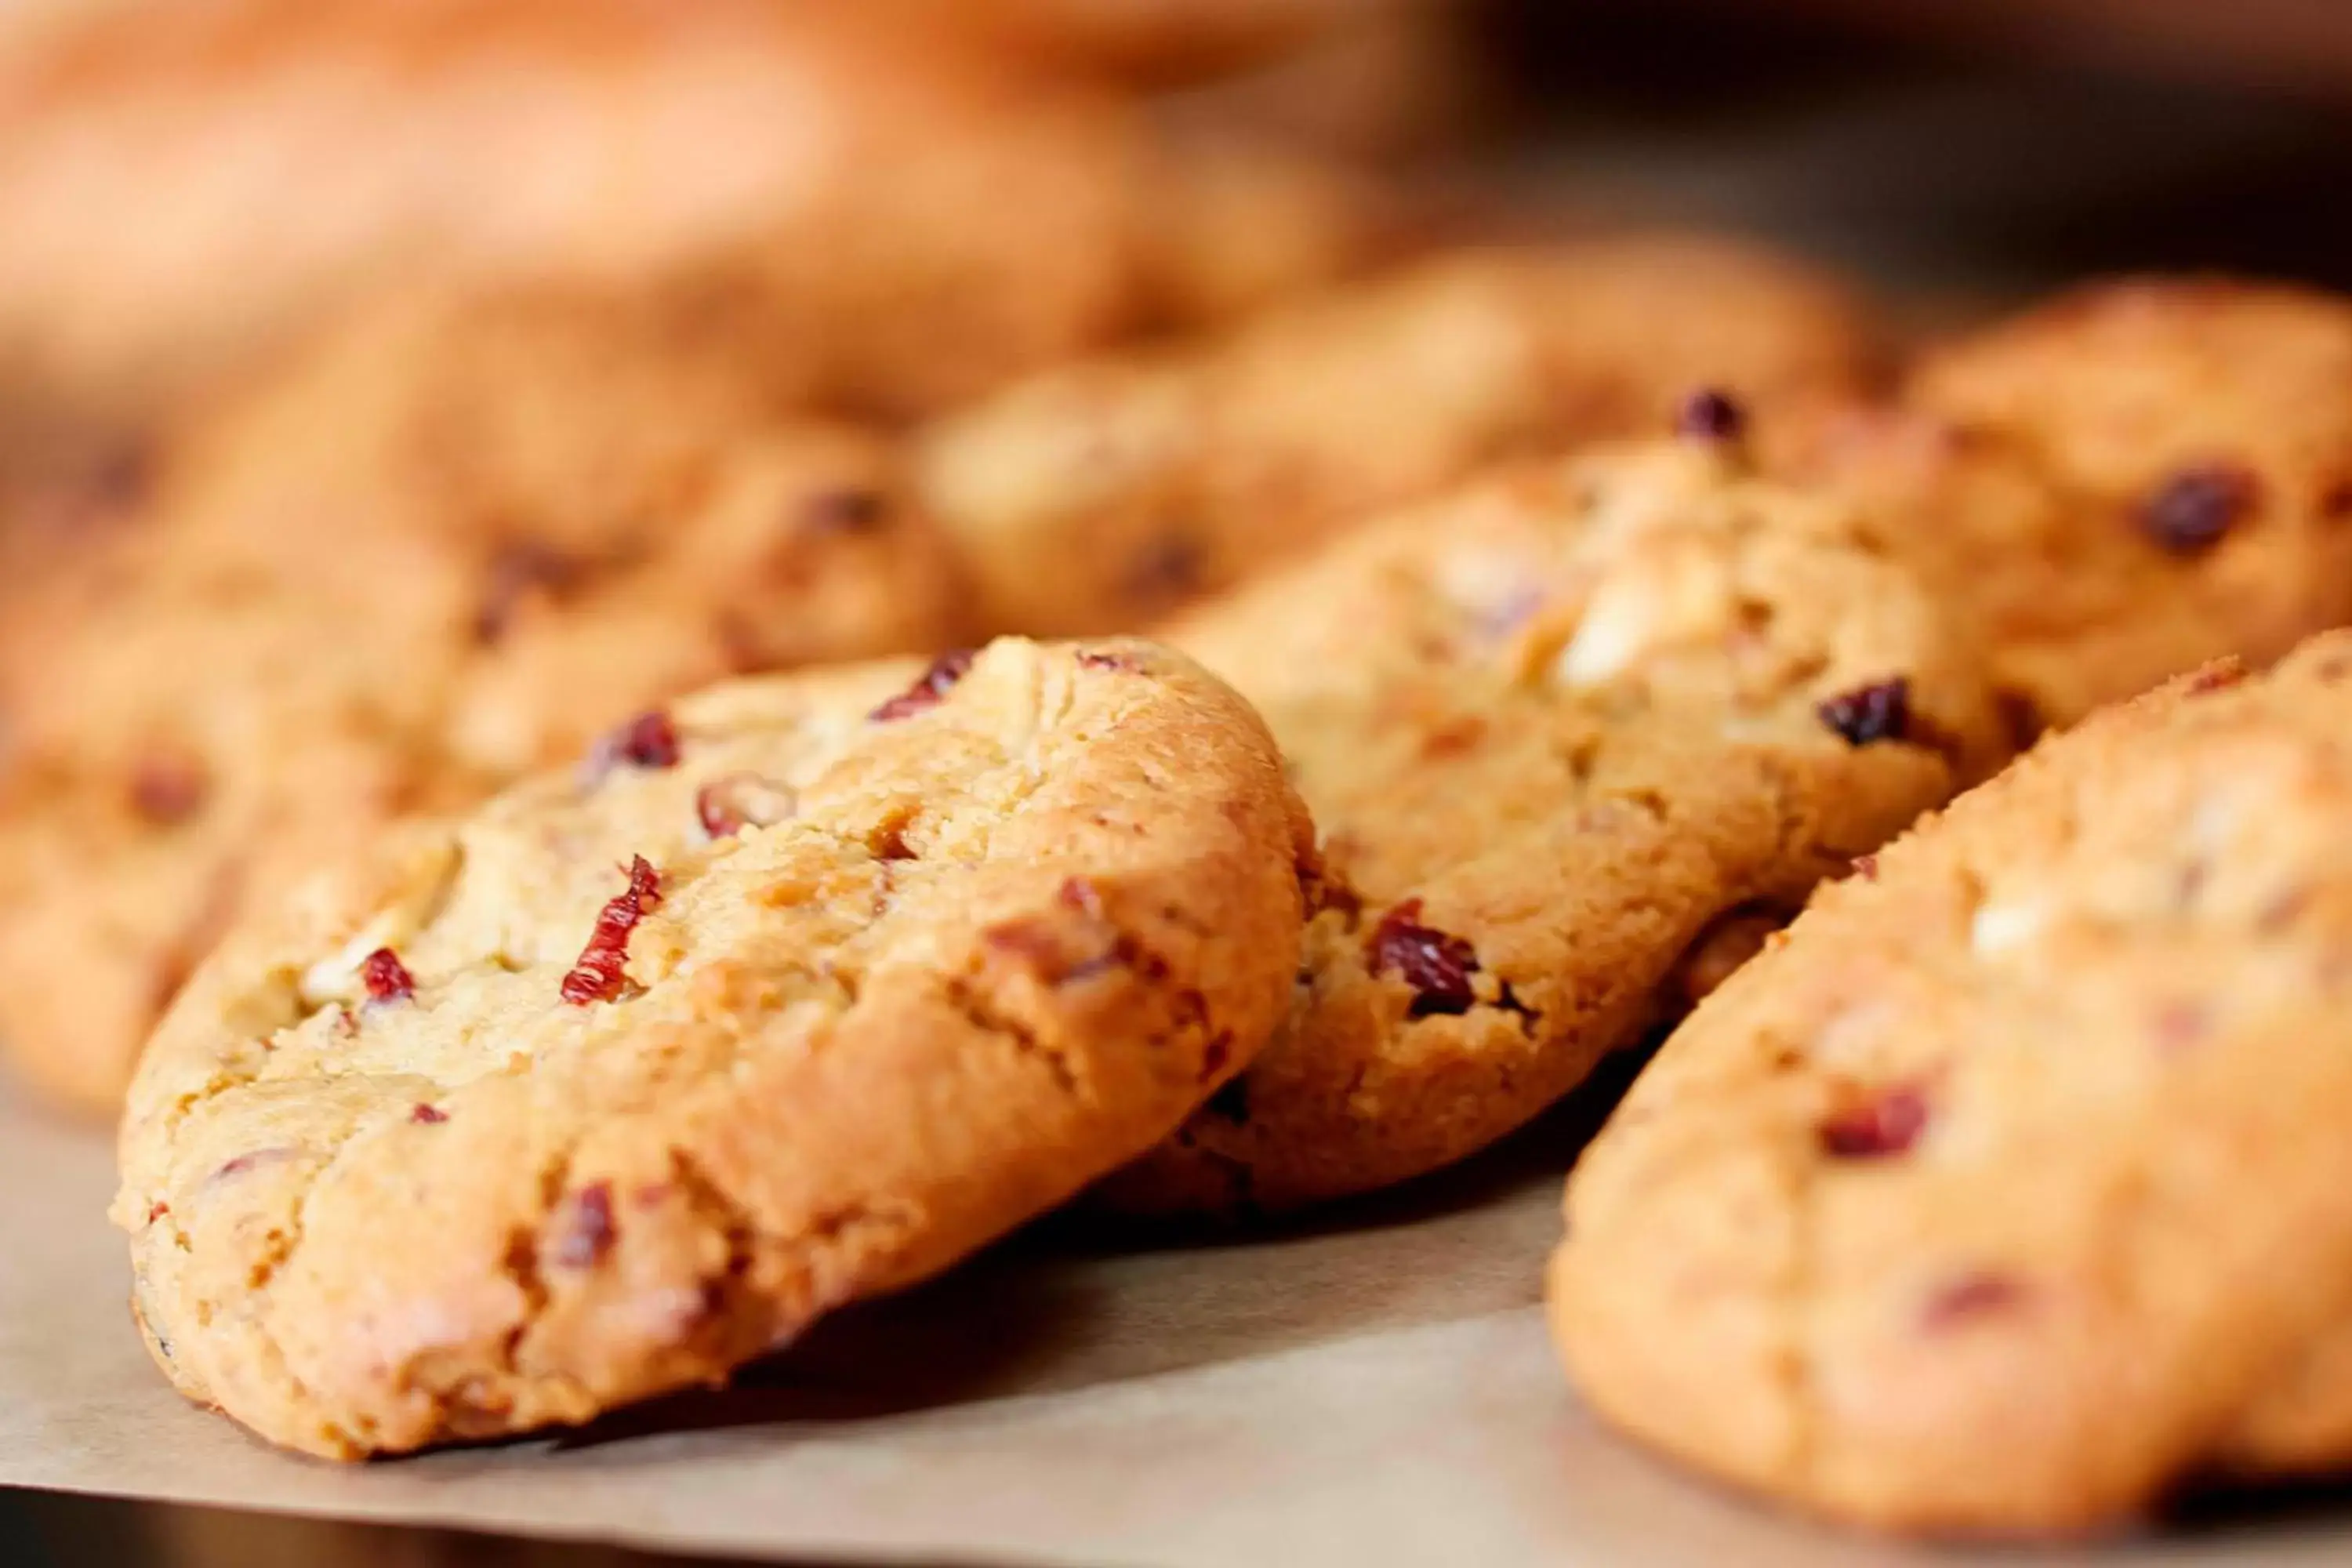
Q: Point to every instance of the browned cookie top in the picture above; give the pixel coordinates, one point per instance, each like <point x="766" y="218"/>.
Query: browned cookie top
<point x="449" y="545"/>
<point x="1114" y="489"/>
<point x="793" y="991"/>
<point x="2119" y="485"/>
<point x="1552" y="728"/>
<point x="2009" y="1189"/>
<point x="183" y="190"/>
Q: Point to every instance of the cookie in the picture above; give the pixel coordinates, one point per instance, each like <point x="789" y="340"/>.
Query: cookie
<point x="2008" y="1191"/>
<point x="1562" y="735"/>
<point x="804" y="989"/>
<point x="1160" y="41"/>
<point x="2120" y="484"/>
<point x="1113" y="490"/>
<point x="806" y="181"/>
<point x="422" y="561"/>
<point x="1406" y="82"/>
<point x="1243" y="222"/>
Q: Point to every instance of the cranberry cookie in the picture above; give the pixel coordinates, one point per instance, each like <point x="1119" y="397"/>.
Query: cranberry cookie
<point x="796" y="992"/>
<point x="1554" y="729"/>
<point x="2010" y="1189"/>
<point x="902" y="219"/>
<point x="2121" y="485"/>
<point x="443" y="549"/>
<point x="1106" y="492"/>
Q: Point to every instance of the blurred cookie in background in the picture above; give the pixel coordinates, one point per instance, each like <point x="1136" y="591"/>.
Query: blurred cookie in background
<point x="1164" y="42"/>
<point x="446" y="545"/>
<point x="2117" y="485"/>
<point x="1242" y="223"/>
<point x="1106" y="492"/>
<point x="184" y="187"/>
<point x="1412" y="80"/>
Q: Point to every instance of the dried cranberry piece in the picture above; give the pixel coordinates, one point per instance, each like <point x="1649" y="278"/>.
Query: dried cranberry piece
<point x="1874" y="1129"/>
<point x="2218" y="676"/>
<point x="587" y="1232"/>
<point x="1164" y="570"/>
<point x="844" y="511"/>
<point x="1711" y="414"/>
<point x="2181" y="1024"/>
<point x="1437" y="966"/>
<point x="1054" y="953"/>
<point x="255" y="1161"/>
<point x="1216" y="1054"/>
<point x="521" y="568"/>
<point x="600" y="974"/>
<point x="2022" y="717"/>
<point x="2189" y="513"/>
<point x="429" y="1115"/>
<point x="648" y="740"/>
<point x="726" y="806"/>
<point x="1079" y="893"/>
<point x="929" y="687"/>
<point x="1094" y="658"/>
<point x="167" y="790"/>
<point x="1969" y="1297"/>
<point x="386" y="978"/>
<point x="1868" y="714"/>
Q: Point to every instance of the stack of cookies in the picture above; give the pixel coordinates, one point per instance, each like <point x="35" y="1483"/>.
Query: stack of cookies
<point x="659" y="779"/>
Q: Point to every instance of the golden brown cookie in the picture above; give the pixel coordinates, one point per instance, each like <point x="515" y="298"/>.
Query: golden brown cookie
<point x="2008" y="1191"/>
<point x="184" y="186"/>
<point x="1240" y="224"/>
<point x="1159" y="41"/>
<point x="1395" y="82"/>
<point x="817" y="986"/>
<point x="2119" y="485"/>
<point x="1112" y="491"/>
<point x="447" y="547"/>
<point x="1554" y="729"/>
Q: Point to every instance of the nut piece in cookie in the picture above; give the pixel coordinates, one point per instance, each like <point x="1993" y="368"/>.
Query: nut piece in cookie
<point x="2006" y="1192"/>
<point x="1567" y="735"/>
<point x="570" y="1101"/>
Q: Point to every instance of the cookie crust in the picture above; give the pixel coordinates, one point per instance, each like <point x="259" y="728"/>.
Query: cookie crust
<point x="796" y="996"/>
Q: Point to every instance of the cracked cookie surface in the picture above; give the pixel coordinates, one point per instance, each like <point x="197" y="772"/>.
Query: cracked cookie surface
<point x="2009" y="1189"/>
<point x="795" y="992"/>
<point x="1553" y="729"/>
<point x="446" y="546"/>
<point x="2117" y="486"/>
<point x="1113" y="490"/>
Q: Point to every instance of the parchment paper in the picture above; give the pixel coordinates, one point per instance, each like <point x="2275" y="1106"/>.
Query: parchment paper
<point x="1369" y="1392"/>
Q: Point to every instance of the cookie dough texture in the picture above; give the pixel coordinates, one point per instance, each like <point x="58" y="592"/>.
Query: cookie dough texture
<point x="1112" y="491"/>
<point x="1554" y="729"/>
<point x="960" y="940"/>
<point x="2119" y="485"/>
<point x="2010" y="1189"/>
<point x="446" y="548"/>
<point x="839" y="189"/>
